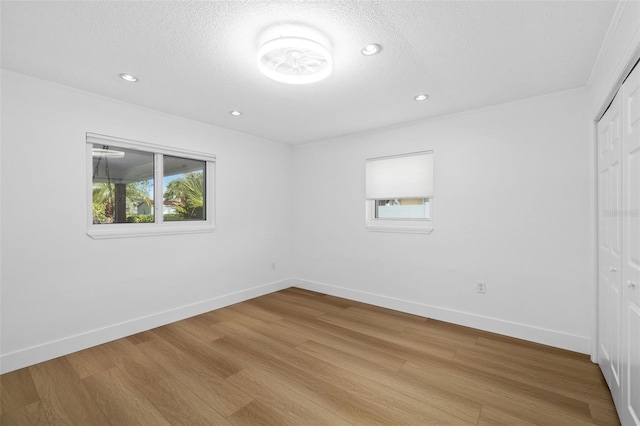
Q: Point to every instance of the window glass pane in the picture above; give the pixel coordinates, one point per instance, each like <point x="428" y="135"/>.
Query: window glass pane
<point x="122" y="185"/>
<point x="410" y="208"/>
<point x="183" y="189"/>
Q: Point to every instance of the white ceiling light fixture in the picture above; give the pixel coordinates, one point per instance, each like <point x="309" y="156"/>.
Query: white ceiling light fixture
<point x="371" y="49"/>
<point x="235" y="113"/>
<point x="294" y="60"/>
<point x="422" y="97"/>
<point x="128" y="77"/>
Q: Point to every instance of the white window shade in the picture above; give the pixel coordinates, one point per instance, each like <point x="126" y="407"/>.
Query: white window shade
<point x="398" y="177"/>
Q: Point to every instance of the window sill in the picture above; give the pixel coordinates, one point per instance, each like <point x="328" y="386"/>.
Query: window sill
<point x="426" y="229"/>
<point x="97" y="232"/>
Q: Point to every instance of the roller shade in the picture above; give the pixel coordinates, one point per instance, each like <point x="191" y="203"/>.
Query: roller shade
<point x="402" y="176"/>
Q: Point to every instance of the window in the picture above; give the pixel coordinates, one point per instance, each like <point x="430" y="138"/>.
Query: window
<point x="137" y="189"/>
<point x="409" y="208"/>
<point x="399" y="193"/>
<point x="183" y="189"/>
<point x="122" y="185"/>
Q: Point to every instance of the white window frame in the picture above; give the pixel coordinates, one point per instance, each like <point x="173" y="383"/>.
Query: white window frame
<point x="410" y="226"/>
<point x="159" y="227"/>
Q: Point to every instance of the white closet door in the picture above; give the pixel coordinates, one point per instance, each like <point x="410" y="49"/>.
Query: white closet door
<point x="630" y="218"/>
<point x="609" y="246"/>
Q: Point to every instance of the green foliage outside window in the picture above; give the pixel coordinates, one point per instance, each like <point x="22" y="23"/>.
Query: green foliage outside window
<point x="137" y="197"/>
<point x="187" y="194"/>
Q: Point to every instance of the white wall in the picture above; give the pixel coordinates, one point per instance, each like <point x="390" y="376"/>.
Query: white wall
<point x="62" y="290"/>
<point x="512" y="207"/>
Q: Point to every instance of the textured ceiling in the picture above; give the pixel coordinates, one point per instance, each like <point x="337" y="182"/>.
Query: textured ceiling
<point x="197" y="59"/>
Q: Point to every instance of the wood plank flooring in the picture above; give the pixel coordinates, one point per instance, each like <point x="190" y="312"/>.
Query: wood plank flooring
<point x="297" y="357"/>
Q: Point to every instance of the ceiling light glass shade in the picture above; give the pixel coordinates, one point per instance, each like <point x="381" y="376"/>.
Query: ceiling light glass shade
<point x="422" y="97"/>
<point x="294" y="60"/>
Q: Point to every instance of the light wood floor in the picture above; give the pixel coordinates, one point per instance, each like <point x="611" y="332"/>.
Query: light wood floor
<point x="301" y="358"/>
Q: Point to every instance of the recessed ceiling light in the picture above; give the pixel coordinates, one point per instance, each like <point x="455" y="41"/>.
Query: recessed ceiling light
<point x="235" y="113"/>
<point x="129" y="77"/>
<point x="371" y="49"/>
<point x="294" y="60"/>
<point x="422" y="97"/>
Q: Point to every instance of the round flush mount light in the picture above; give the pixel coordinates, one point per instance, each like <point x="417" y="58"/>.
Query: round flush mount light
<point x="128" y="77"/>
<point x="294" y="60"/>
<point x="371" y="49"/>
<point x="235" y="113"/>
<point x="422" y="97"/>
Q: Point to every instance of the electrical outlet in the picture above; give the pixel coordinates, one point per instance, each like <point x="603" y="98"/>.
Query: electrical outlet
<point x="481" y="287"/>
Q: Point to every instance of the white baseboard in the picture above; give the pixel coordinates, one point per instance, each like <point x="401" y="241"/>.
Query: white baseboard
<point x="508" y="328"/>
<point x="46" y="351"/>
